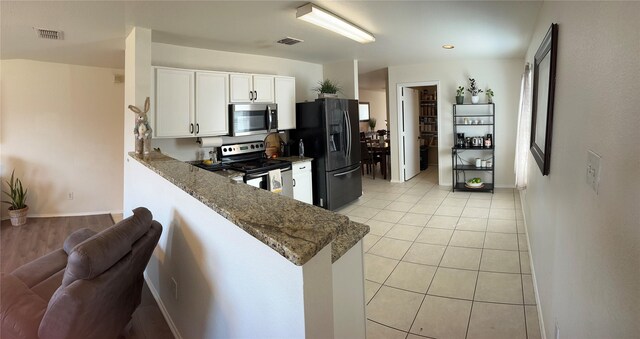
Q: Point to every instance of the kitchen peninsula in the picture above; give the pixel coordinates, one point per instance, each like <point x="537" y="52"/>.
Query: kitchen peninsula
<point x="238" y="261"/>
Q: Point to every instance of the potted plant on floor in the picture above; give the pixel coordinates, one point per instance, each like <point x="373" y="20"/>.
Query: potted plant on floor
<point x="460" y="95"/>
<point x="474" y="90"/>
<point x="327" y="89"/>
<point x="18" y="197"/>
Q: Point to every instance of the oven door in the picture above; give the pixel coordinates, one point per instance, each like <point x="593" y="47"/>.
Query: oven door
<point x="249" y="119"/>
<point x="260" y="180"/>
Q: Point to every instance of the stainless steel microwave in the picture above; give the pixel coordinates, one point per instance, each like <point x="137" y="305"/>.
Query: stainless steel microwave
<point x="248" y="119"/>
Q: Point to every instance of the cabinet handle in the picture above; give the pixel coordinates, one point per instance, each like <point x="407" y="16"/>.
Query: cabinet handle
<point x="255" y="97"/>
<point x="197" y="128"/>
<point x="294" y="182"/>
<point x="251" y="95"/>
<point x="303" y="167"/>
<point x="190" y="128"/>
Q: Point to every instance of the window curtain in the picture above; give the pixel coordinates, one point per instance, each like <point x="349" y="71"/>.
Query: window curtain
<point x="524" y="129"/>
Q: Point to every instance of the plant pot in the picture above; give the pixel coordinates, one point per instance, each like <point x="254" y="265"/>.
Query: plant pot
<point x="460" y="99"/>
<point x="18" y="217"/>
<point x="475" y="99"/>
<point x="490" y="100"/>
<point x="327" y="95"/>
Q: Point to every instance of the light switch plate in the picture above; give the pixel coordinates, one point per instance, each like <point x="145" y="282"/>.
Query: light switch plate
<point x="593" y="170"/>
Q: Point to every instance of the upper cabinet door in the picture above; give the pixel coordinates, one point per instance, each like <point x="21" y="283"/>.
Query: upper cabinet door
<point x="212" y="91"/>
<point x="240" y="88"/>
<point x="174" y="103"/>
<point x="285" y="97"/>
<point x="263" y="88"/>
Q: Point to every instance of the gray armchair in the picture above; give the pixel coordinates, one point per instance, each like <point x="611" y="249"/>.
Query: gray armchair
<point x="88" y="289"/>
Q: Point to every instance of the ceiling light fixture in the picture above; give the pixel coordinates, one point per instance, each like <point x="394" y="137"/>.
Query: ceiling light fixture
<point x="318" y="16"/>
<point x="448" y="46"/>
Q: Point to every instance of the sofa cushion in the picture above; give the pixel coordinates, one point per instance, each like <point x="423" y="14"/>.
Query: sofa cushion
<point x="95" y="255"/>
<point x="42" y="268"/>
<point x="77" y="237"/>
<point x="21" y="309"/>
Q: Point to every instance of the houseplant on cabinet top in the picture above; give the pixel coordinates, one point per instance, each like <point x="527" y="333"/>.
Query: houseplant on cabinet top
<point x="327" y="89"/>
<point x="372" y="123"/>
<point x="489" y="95"/>
<point x="18" y="195"/>
<point x="474" y="90"/>
<point x="460" y="95"/>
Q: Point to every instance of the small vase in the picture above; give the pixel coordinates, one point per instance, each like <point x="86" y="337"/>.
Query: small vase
<point x="460" y="99"/>
<point x="475" y="99"/>
<point x="490" y="100"/>
<point x="19" y="217"/>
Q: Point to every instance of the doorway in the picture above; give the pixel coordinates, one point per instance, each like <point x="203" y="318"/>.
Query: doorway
<point x="418" y="127"/>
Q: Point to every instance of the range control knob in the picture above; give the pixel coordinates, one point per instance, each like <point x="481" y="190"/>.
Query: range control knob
<point x="261" y="145"/>
<point x="252" y="147"/>
<point x="224" y="149"/>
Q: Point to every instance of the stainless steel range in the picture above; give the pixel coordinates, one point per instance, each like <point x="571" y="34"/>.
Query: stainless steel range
<point x="250" y="159"/>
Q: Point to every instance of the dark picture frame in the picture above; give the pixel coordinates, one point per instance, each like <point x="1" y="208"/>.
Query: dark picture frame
<point x="544" y="84"/>
<point x="364" y="111"/>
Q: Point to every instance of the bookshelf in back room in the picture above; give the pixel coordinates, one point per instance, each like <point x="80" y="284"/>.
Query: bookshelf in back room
<point x="428" y="122"/>
<point x="473" y="151"/>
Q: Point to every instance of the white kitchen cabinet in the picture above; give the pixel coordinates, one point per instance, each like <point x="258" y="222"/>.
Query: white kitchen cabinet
<point x="251" y="88"/>
<point x="212" y="105"/>
<point x="302" y="185"/>
<point x="173" y="103"/>
<point x="285" y="97"/>
<point x="190" y="103"/>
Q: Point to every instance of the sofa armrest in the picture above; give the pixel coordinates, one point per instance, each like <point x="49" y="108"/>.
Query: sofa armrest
<point x="21" y="310"/>
<point x="42" y="268"/>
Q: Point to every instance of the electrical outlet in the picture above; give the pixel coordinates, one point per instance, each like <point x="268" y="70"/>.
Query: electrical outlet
<point x="175" y="287"/>
<point x="593" y="170"/>
<point x="70" y="196"/>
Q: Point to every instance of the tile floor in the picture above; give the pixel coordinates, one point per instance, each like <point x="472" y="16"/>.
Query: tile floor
<point x="444" y="265"/>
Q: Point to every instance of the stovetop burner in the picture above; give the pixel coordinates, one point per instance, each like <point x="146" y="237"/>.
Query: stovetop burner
<point x="259" y="165"/>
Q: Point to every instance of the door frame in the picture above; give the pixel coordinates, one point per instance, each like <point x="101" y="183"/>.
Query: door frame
<point x="399" y="123"/>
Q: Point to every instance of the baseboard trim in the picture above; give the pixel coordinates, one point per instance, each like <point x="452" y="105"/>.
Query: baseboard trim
<point x="163" y="309"/>
<point x="54" y="215"/>
<point x="543" y="334"/>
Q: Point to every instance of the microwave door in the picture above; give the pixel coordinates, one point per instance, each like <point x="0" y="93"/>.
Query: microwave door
<point x="248" y="121"/>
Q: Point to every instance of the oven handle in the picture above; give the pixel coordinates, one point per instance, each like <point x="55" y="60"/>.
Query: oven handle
<point x="254" y="176"/>
<point x="347" y="172"/>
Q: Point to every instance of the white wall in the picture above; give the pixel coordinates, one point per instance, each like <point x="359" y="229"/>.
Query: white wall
<point x="345" y="74"/>
<point x="584" y="246"/>
<point x="62" y="132"/>
<point x="377" y="100"/>
<point x="307" y="76"/>
<point x="503" y="76"/>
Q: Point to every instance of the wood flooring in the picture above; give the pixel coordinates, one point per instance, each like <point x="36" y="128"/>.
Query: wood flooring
<point x="22" y="244"/>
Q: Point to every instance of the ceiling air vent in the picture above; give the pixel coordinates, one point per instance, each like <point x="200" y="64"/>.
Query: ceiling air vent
<point x="49" y="34"/>
<point x="289" y="41"/>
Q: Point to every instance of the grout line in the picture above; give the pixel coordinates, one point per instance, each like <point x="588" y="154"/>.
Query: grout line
<point x="524" y="311"/>
<point x="475" y="288"/>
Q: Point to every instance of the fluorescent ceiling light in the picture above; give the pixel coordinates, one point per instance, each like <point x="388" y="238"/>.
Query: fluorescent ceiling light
<point x="318" y="16"/>
<point x="448" y="46"/>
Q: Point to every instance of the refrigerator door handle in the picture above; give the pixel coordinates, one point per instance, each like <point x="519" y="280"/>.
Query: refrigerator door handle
<point x="347" y="134"/>
<point x="347" y="172"/>
<point x="349" y="129"/>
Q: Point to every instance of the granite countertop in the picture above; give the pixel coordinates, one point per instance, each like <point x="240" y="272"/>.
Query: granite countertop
<point x="296" y="230"/>
<point x="348" y="237"/>
<point x="295" y="159"/>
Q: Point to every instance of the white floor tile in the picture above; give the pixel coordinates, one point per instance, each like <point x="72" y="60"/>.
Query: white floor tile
<point x="404" y="232"/>
<point x="500" y="261"/>
<point x="439" y="221"/>
<point x="533" y="323"/>
<point x="496" y="321"/>
<point x="461" y="257"/>
<point x="370" y="289"/>
<point x="499" y="288"/>
<point x="508" y="204"/>
<point x="378" y="227"/>
<point x="425" y="254"/>
<point x="408" y="198"/>
<point x="401" y="206"/>
<point x="377" y="203"/>
<point x="424" y="208"/>
<point x="472" y="224"/>
<point x="527" y="290"/>
<point x="525" y="263"/>
<point x="363" y="212"/>
<point x="393" y="307"/>
<point x="467" y="239"/>
<point x="456" y="202"/>
<point x="414" y="219"/>
<point x="475" y="212"/>
<point x="390" y="248"/>
<point x="411" y="277"/>
<point x="485" y="203"/>
<point x="377" y="269"/>
<point x="501" y="241"/>
<point x="454" y="283"/>
<point x="434" y="236"/>
<point x="389" y="216"/>
<point x="451" y="211"/>
<point x="369" y="240"/>
<point x="377" y="331"/>
<point x="522" y="242"/>
<point x="502" y="226"/>
<point x="498" y="213"/>
<point x="442" y="318"/>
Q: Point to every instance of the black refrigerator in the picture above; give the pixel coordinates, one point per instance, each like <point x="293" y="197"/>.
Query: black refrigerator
<point x="329" y="129"/>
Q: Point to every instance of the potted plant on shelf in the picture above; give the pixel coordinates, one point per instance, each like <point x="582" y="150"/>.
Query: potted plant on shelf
<point x="460" y="95"/>
<point x="18" y="195"/>
<point x="372" y="123"/>
<point x="489" y="95"/>
<point x="327" y="89"/>
<point x="474" y="90"/>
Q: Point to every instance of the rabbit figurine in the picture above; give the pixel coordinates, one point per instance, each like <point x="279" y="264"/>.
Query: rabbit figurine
<point x="142" y="130"/>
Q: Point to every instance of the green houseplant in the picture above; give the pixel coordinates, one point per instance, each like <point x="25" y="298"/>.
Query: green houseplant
<point x="474" y="90"/>
<point x="18" y="197"/>
<point x="327" y="89"/>
<point x="372" y="123"/>
<point x="460" y="95"/>
<point x="489" y="93"/>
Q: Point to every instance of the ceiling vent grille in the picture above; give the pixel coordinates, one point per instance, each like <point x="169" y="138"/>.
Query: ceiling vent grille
<point x="289" y="41"/>
<point x="49" y="34"/>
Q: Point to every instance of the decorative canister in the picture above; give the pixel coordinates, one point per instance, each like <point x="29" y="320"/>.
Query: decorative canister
<point x="489" y="163"/>
<point x="478" y="162"/>
<point x="484" y="163"/>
